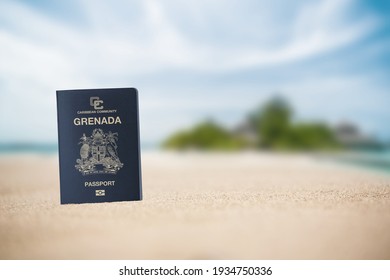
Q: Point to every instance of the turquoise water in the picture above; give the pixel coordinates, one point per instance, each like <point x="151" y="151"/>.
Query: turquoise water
<point x="50" y="148"/>
<point x="47" y="149"/>
<point x="378" y="160"/>
<point x="374" y="160"/>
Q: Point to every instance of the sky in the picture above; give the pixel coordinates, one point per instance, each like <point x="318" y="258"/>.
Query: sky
<point x="196" y="60"/>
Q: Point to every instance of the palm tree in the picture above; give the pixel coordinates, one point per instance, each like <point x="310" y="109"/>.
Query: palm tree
<point x="112" y="138"/>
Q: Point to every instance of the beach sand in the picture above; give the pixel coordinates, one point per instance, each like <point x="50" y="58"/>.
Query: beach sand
<point x="201" y="206"/>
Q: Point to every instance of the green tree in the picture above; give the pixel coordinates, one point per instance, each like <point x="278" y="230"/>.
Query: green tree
<point x="275" y="130"/>
<point x="204" y="136"/>
<point x="311" y="136"/>
<point x="272" y="123"/>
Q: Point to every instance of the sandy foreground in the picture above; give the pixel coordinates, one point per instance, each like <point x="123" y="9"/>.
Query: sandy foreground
<point x="201" y="206"/>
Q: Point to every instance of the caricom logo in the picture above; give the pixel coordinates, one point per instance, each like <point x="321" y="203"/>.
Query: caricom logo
<point x="96" y="103"/>
<point x="100" y="192"/>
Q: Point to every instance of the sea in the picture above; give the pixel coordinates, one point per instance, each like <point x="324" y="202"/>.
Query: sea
<point x="45" y="148"/>
<point x="369" y="159"/>
<point x="374" y="159"/>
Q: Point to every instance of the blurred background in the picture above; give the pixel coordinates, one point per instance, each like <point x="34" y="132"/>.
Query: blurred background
<point x="279" y="75"/>
<point x="285" y="103"/>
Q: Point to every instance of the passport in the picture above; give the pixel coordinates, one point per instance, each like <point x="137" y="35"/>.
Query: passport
<point x="99" y="145"/>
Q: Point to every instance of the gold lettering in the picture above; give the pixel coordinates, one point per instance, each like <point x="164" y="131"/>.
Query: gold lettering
<point x="97" y="120"/>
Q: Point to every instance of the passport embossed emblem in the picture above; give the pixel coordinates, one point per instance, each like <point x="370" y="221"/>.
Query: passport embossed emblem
<point x="99" y="153"/>
<point x="100" y="192"/>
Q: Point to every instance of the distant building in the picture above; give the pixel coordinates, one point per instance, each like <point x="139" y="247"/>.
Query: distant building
<point x="246" y="132"/>
<point x="349" y="135"/>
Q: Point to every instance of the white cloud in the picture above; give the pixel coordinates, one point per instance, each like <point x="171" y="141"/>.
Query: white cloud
<point x="46" y="45"/>
<point x="123" y="42"/>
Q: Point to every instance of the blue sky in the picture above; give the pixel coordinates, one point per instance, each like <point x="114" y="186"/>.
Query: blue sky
<point x="195" y="60"/>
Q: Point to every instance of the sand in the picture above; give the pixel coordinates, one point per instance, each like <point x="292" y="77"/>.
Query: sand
<point x="201" y="206"/>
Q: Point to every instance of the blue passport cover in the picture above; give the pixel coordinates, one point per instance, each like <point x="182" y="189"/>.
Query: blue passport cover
<point x="99" y="148"/>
